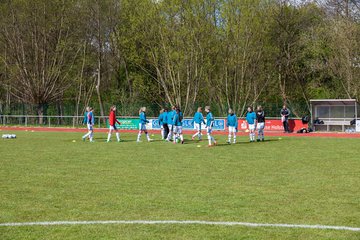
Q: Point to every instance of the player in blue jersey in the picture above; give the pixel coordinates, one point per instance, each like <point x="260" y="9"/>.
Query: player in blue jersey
<point x="178" y="126"/>
<point x="251" y="121"/>
<point x="232" y="124"/>
<point x="90" y="120"/>
<point x="209" y="126"/>
<point x="198" y="120"/>
<point x="161" y="122"/>
<point x="142" y="124"/>
<point x="170" y="121"/>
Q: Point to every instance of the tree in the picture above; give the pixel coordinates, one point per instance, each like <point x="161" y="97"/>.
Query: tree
<point x="42" y="50"/>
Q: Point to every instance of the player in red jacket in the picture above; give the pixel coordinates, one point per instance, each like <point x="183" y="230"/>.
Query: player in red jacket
<point x="112" y="124"/>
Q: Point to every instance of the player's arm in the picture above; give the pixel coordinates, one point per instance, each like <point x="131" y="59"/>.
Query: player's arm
<point x="236" y="124"/>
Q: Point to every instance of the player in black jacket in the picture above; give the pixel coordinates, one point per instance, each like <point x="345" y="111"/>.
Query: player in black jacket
<point x="260" y="119"/>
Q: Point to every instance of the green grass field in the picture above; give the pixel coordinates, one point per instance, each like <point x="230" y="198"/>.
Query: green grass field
<point x="298" y="180"/>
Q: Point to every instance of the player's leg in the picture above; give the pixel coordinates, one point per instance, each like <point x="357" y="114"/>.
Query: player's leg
<point x="263" y="132"/>
<point x="88" y="133"/>
<point x="175" y="134"/>
<point x="250" y="133"/>
<point x="196" y="126"/>
<point x="208" y="133"/>
<point x="169" y="134"/>
<point x="162" y="132"/>
<point x="258" y="131"/>
<point x="109" y="134"/>
<point x="234" y="132"/>
<point x="140" y="131"/>
<point x="91" y="135"/>
<point x="229" y="135"/>
<point x="147" y="135"/>
<point x="117" y="134"/>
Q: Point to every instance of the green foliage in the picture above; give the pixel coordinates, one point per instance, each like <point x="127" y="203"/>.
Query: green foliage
<point x="215" y="52"/>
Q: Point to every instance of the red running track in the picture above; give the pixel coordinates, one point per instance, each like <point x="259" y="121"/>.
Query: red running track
<point x="241" y="133"/>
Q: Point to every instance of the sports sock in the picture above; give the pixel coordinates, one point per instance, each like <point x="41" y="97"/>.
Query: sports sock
<point x="139" y="136"/>
<point x="118" y="136"/>
<point x="209" y="138"/>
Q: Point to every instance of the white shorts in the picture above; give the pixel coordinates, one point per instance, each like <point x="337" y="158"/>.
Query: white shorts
<point x="90" y="127"/>
<point x="251" y="127"/>
<point x="261" y="126"/>
<point x="197" y="126"/>
<point x="178" y="129"/>
<point x="113" y="127"/>
<point x="170" y="128"/>
<point x="142" y="126"/>
<point x="232" y="129"/>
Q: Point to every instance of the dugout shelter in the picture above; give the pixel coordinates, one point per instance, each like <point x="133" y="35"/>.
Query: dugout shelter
<point x="333" y="115"/>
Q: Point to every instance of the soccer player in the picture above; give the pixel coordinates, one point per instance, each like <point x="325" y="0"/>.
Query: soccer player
<point x="209" y="125"/>
<point x="165" y="123"/>
<point x="142" y="124"/>
<point x="260" y="118"/>
<point x="232" y="124"/>
<point x="161" y="119"/>
<point x="178" y="126"/>
<point x="87" y="109"/>
<point x="112" y="124"/>
<point x="90" y="125"/>
<point x="170" y="121"/>
<point x="251" y="120"/>
<point x="198" y="120"/>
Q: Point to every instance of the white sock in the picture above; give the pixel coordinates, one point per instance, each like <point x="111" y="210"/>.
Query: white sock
<point x="91" y="136"/>
<point x="229" y="137"/>
<point x="86" y="135"/>
<point x="209" y="138"/>
<point x="109" y="136"/>
<point x="118" y="136"/>
<point x="234" y="137"/>
<point x="148" y="137"/>
<point x="169" y="136"/>
<point x="139" y="136"/>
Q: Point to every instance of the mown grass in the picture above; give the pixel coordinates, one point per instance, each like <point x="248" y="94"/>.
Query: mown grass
<point x="47" y="177"/>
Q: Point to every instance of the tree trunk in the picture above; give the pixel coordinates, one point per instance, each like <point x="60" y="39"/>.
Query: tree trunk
<point x="40" y="113"/>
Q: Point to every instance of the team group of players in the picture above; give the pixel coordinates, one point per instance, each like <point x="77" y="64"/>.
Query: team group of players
<point x="170" y="121"/>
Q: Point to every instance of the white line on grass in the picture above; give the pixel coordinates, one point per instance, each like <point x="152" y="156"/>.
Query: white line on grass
<point x="246" y="224"/>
